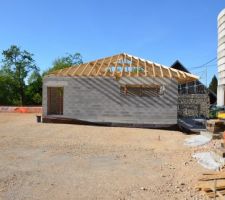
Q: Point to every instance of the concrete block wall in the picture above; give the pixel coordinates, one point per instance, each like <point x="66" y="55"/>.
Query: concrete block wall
<point x="98" y="99"/>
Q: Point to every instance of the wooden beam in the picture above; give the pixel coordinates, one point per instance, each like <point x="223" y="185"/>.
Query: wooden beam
<point x="178" y="74"/>
<point x="184" y="74"/>
<point x="116" y="65"/>
<point x="67" y="71"/>
<point x="93" y="67"/>
<point x="153" y="69"/>
<point x="169" y="71"/>
<point x="146" y="72"/>
<point x="131" y="64"/>
<point x="59" y="73"/>
<point x="138" y="67"/>
<point x="81" y="73"/>
<point x="100" y="67"/>
<point x="75" y="70"/>
<point x="123" y="65"/>
<point x="107" y="67"/>
<point x="161" y="71"/>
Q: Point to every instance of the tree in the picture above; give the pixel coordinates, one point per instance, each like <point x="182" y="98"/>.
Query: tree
<point x="65" y="61"/>
<point x="213" y="84"/>
<point x="8" y="94"/>
<point x="18" y="64"/>
<point x="34" y="89"/>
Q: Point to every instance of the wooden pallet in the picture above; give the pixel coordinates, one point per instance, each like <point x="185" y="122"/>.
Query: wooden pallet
<point x="213" y="185"/>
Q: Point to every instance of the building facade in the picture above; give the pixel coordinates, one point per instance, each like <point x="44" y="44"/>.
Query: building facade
<point x="118" y="90"/>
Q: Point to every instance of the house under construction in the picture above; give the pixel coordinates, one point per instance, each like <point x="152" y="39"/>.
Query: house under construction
<point x="117" y="90"/>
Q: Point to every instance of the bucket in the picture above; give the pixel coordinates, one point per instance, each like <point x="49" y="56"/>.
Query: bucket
<point x="38" y="118"/>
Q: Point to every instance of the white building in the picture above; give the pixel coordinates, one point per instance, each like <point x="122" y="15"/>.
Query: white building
<point x="221" y="59"/>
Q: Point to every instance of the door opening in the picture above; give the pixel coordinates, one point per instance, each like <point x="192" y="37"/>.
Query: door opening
<point x="55" y="100"/>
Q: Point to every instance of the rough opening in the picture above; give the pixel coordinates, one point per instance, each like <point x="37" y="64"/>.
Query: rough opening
<point x="142" y="90"/>
<point x="55" y="101"/>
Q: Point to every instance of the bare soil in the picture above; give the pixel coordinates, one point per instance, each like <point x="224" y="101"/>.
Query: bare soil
<point x="59" y="161"/>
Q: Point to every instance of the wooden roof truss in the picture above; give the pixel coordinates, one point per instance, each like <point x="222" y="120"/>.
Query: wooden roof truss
<point x="125" y="65"/>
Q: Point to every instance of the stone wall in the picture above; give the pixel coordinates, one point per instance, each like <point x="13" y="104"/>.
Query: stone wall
<point x="98" y="99"/>
<point x="193" y="105"/>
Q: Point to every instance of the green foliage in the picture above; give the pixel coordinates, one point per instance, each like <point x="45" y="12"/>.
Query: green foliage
<point x="17" y="65"/>
<point x="34" y="89"/>
<point x="213" y="84"/>
<point x="20" y="80"/>
<point x="8" y="94"/>
<point x="137" y="69"/>
<point x="65" y="61"/>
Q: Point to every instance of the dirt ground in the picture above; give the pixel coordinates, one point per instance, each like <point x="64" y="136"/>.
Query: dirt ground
<point x="58" y="161"/>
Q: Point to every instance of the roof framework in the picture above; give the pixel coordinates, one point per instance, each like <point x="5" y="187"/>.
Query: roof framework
<point x="125" y="65"/>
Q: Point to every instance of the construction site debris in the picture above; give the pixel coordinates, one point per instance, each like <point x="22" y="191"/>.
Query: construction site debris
<point x="212" y="184"/>
<point x="207" y="160"/>
<point x="215" y="125"/>
<point x="197" y="140"/>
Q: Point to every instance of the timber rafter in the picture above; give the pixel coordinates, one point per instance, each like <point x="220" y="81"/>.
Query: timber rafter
<point x="125" y="65"/>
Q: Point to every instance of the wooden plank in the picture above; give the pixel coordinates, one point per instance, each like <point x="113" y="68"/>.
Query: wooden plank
<point x="109" y="63"/>
<point x="161" y="71"/>
<point x="94" y="66"/>
<point x="123" y="66"/>
<point x="146" y="72"/>
<point x="60" y="71"/>
<point x="67" y="71"/>
<point x="138" y="67"/>
<point x="219" y="193"/>
<point x="153" y="68"/>
<point x="116" y="65"/>
<point x="82" y="72"/>
<point x="91" y="69"/>
<point x="77" y="68"/>
<point x="131" y="64"/>
<point x="209" y="177"/>
<point x="170" y="75"/>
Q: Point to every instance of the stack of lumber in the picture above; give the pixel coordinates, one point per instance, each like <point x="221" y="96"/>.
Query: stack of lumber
<point x="215" y="125"/>
<point x="212" y="184"/>
<point x="214" y="128"/>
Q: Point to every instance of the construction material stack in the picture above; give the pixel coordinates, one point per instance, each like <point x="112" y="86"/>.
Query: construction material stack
<point x="214" y="128"/>
<point x="212" y="184"/>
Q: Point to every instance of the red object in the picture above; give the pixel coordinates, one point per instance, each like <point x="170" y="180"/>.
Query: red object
<point x="22" y="109"/>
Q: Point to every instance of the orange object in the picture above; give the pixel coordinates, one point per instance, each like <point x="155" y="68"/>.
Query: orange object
<point x="21" y="110"/>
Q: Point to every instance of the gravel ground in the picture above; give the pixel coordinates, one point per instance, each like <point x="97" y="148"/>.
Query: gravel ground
<point x="58" y="161"/>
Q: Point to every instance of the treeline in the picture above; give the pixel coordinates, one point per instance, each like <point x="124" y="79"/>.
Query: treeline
<point x="21" y="79"/>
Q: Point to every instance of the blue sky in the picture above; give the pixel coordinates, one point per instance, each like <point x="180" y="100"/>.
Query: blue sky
<point x="160" y="31"/>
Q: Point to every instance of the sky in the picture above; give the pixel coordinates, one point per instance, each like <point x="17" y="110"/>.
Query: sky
<point x="161" y="31"/>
